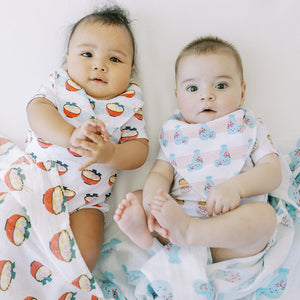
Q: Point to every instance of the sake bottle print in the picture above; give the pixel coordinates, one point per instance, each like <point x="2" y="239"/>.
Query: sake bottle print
<point x="277" y="286"/>
<point x="197" y="161"/>
<point x="208" y="185"/>
<point x="178" y="136"/>
<point x="206" y="133"/>
<point x="173" y="160"/>
<point x="249" y="121"/>
<point x="162" y="139"/>
<point x="250" y="148"/>
<point x="177" y="117"/>
<point x="233" y="126"/>
<point x="224" y="158"/>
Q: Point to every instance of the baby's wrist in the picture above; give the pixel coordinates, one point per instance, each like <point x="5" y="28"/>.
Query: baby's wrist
<point x="238" y="187"/>
<point x="73" y="136"/>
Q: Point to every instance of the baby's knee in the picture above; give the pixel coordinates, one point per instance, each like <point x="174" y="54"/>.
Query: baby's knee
<point x="87" y="226"/>
<point x="268" y="214"/>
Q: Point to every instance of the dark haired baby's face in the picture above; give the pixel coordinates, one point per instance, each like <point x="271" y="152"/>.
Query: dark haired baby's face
<point x="99" y="59"/>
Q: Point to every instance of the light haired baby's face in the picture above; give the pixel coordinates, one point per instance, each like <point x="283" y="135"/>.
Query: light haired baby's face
<point x="208" y="86"/>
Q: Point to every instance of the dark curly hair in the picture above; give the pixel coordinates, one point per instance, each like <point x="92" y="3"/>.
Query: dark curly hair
<point x="108" y="15"/>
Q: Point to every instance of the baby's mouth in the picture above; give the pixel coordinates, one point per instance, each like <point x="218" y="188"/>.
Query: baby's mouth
<point x="98" y="79"/>
<point x="208" y="110"/>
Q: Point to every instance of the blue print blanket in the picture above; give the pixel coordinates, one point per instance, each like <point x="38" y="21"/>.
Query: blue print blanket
<point x="172" y="272"/>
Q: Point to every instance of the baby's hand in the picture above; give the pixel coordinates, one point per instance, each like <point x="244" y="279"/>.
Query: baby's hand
<point x="222" y="198"/>
<point x="96" y="149"/>
<point x="90" y="125"/>
<point x="91" y="140"/>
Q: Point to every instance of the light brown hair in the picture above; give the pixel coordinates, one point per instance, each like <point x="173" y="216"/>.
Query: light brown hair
<point x="209" y="44"/>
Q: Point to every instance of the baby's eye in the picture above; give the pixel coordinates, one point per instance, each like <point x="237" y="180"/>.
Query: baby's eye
<point x="87" y="54"/>
<point x="192" y="88"/>
<point x="221" y="86"/>
<point x="114" y="59"/>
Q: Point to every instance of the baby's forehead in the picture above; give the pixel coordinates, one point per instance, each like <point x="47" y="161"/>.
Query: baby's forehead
<point x="99" y="30"/>
<point x="223" y="51"/>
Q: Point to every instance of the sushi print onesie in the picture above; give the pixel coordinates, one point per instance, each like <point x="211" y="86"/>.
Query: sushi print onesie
<point x="123" y="118"/>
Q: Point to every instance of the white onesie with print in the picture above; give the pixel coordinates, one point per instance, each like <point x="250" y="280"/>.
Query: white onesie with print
<point x="123" y="118"/>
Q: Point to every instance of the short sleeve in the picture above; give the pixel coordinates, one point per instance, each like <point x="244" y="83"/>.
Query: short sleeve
<point x="161" y="155"/>
<point x="263" y="144"/>
<point x="47" y="89"/>
<point x="134" y="128"/>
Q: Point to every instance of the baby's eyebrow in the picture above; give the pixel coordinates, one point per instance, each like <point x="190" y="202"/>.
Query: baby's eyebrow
<point x="86" y="45"/>
<point x="119" y="52"/>
<point x="224" y="76"/>
<point x="188" y="80"/>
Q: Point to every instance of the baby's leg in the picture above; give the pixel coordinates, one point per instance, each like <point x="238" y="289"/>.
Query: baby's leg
<point x="88" y="226"/>
<point x="131" y="219"/>
<point x="248" y="228"/>
<point x="244" y="231"/>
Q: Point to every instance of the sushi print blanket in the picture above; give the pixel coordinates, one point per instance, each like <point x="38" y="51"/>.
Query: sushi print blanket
<point x="39" y="258"/>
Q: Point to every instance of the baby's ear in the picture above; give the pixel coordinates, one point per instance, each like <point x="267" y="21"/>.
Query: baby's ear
<point x="175" y="92"/>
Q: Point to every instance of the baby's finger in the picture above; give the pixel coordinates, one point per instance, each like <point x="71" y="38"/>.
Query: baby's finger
<point x="104" y="134"/>
<point x="162" y="231"/>
<point x="82" y="151"/>
<point x="96" y="138"/>
<point x="159" y="200"/>
<point x="86" y="164"/>
<point x="225" y="209"/>
<point x="150" y="222"/>
<point x="101" y="129"/>
<point x="155" y="209"/>
<point x="218" y="208"/>
<point x="210" y="203"/>
<point x="76" y="142"/>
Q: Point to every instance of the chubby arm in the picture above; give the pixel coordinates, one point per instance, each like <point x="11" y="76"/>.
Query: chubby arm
<point x="90" y="140"/>
<point x="129" y="155"/>
<point x="46" y="122"/>
<point x="263" y="178"/>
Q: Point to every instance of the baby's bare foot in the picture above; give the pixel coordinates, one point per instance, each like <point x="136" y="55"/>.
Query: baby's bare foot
<point x="131" y="219"/>
<point x="171" y="216"/>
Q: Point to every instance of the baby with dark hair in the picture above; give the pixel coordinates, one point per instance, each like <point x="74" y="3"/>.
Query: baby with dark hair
<point x="87" y="120"/>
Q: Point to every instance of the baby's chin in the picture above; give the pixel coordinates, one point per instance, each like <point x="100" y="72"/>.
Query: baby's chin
<point x="204" y="117"/>
<point x="108" y="95"/>
<point x="101" y="96"/>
